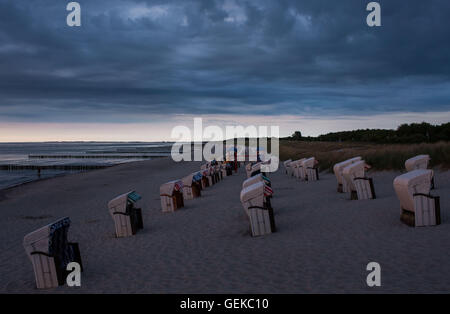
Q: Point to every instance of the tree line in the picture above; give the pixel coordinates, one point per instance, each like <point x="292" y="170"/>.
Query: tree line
<point x="404" y="134"/>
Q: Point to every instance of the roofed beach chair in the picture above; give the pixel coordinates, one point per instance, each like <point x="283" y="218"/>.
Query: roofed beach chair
<point x="418" y="207"/>
<point x="337" y="169"/>
<point x="310" y="169"/>
<point x="287" y="167"/>
<point x="227" y="169"/>
<point x="208" y="173"/>
<point x="361" y="187"/>
<point x="127" y="218"/>
<point x="171" y="196"/>
<point x="297" y="166"/>
<point x="419" y="162"/>
<point x="217" y="174"/>
<point x="192" y="186"/>
<point x="205" y="178"/>
<point x="255" y="199"/>
<point x="50" y="252"/>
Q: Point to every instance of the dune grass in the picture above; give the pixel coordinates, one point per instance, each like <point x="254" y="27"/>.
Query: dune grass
<point x="379" y="156"/>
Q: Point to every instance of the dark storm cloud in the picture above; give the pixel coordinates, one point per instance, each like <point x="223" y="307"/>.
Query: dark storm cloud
<point x="236" y="57"/>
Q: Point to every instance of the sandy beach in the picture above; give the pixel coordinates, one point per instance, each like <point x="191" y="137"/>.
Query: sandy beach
<point x="323" y="244"/>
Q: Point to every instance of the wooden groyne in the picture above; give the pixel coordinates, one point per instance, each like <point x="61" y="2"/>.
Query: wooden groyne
<point x="53" y="167"/>
<point x="94" y="156"/>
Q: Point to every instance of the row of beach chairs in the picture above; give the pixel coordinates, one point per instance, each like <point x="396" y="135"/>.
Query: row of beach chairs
<point x="417" y="206"/>
<point x="255" y="198"/>
<point x="50" y="251"/>
<point x="305" y="169"/>
<point x="174" y="193"/>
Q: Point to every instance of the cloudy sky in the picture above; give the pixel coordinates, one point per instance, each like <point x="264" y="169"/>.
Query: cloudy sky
<point x="136" y="68"/>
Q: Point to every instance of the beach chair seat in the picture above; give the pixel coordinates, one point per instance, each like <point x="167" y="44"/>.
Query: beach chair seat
<point x="364" y="189"/>
<point x="255" y="199"/>
<point x="171" y="195"/>
<point x="337" y="169"/>
<point x="192" y="186"/>
<point x="360" y="186"/>
<point x="127" y="218"/>
<point x="50" y="252"/>
<point x="417" y="206"/>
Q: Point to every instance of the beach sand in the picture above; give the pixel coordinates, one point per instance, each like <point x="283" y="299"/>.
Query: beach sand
<point x="323" y="244"/>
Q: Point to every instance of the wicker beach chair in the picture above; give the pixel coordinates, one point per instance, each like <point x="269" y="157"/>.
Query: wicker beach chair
<point x="337" y="169"/>
<point x="171" y="195"/>
<point x="127" y="218"/>
<point x="255" y="199"/>
<point x="192" y="186"/>
<point x="50" y="252"/>
<point x="310" y="169"/>
<point x="418" y="207"/>
<point x="361" y="186"/>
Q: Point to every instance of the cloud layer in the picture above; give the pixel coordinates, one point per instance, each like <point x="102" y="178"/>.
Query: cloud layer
<point x="132" y="61"/>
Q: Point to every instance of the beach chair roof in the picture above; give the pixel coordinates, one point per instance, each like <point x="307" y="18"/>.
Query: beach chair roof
<point x="417" y="162"/>
<point x="119" y="203"/>
<point x="43" y="240"/>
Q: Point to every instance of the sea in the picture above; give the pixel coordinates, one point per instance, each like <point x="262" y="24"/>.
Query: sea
<point x="26" y="162"/>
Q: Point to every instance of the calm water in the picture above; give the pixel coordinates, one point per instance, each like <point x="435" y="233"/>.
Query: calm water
<point x="68" y="155"/>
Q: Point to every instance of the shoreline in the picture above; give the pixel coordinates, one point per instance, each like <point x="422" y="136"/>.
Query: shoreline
<point x="69" y="174"/>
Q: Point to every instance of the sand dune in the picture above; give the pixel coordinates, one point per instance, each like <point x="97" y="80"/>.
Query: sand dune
<point x="323" y="244"/>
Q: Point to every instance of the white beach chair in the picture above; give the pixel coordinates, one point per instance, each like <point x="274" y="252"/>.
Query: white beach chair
<point x="208" y="173"/>
<point x="418" y="207"/>
<point x="127" y="218"/>
<point x="361" y="187"/>
<point x="50" y="252"/>
<point x="217" y="173"/>
<point x="310" y="170"/>
<point x="287" y="167"/>
<point x="192" y="186"/>
<point x="337" y="169"/>
<point x="297" y="166"/>
<point x="255" y="199"/>
<point x="171" y="195"/>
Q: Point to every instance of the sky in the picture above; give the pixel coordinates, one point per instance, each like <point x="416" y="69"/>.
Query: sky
<point x="135" y="69"/>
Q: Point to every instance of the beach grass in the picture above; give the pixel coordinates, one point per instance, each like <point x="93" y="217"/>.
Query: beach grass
<point x="379" y="156"/>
